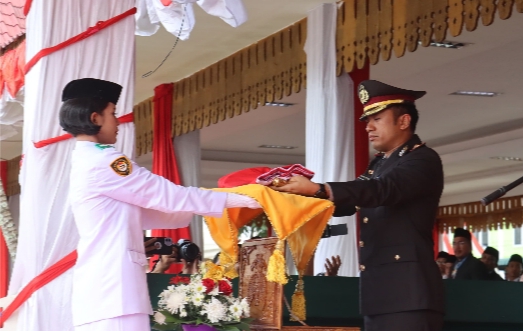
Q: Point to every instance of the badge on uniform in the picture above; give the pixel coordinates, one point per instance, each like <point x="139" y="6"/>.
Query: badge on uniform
<point x="122" y="166"/>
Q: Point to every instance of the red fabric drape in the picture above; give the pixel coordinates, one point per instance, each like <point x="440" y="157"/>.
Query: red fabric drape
<point x="361" y="140"/>
<point x="164" y="159"/>
<point x="87" y="33"/>
<point x="47" y="276"/>
<point x="4" y="255"/>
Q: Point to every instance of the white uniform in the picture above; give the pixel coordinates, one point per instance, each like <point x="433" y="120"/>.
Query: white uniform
<point x="113" y="200"/>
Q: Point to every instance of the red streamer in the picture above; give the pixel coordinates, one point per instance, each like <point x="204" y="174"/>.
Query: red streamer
<point x="27" y="7"/>
<point x="38" y="282"/>
<point x="87" y="33"/>
<point x="164" y="159"/>
<point x="127" y="118"/>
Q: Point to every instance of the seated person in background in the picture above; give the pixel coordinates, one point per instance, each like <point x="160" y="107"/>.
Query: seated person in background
<point x="466" y="266"/>
<point x="440" y="261"/>
<point x="449" y="265"/>
<point x="490" y="258"/>
<point x="514" y="268"/>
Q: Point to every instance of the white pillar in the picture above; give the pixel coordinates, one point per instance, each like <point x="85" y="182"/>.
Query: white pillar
<point x="330" y="128"/>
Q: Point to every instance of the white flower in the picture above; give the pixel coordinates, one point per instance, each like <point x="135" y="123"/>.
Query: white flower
<point x="183" y="313"/>
<point x="236" y="310"/>
<point x="175" y="302"/>
<point x="197" y="286"/>
<point x="214" y="310"/>
<point x="159" y="318"/>
<point x="215" y="291"/>
<point x="245" y="307"/>
<point x="197" y="299"/>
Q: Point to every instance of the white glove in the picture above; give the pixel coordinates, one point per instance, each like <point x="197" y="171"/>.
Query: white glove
<point x="237" y="201"/>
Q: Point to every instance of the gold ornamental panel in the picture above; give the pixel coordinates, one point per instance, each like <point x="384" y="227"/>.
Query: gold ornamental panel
<point x="265" y="298"/>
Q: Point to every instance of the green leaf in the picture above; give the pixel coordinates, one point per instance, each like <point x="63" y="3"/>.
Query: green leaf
<point x="244" y="326"/>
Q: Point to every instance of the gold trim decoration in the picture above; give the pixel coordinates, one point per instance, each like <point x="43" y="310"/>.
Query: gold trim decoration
<point x="502" y="213"/>
<point x="143" y="126"/>
<point x="368" y="28"/>
<point x="263" y="72"/>
<point x="276" y="66"/>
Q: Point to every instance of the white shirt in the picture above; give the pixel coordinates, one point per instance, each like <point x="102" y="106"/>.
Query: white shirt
<point x="113" y="201"/>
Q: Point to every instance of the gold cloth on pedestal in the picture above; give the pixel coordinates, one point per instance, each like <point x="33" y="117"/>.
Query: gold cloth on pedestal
<point x="296" y="219"/>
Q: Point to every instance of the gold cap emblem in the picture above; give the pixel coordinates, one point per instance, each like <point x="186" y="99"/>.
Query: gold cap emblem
<point x="363" y="94"/>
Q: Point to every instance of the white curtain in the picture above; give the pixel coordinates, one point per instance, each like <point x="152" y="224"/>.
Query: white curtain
<point x="47" y="229"/>
<point x="188" y="156"/>
<point x="330" y="129"/>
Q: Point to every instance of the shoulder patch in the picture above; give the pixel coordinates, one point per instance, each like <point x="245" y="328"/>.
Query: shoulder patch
<point x="102" y="146"/>
<point x="122" y="166"/>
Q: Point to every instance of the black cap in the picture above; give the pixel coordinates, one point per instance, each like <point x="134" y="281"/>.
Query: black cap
<point x="460" y="232"/>
<point x="376" y="96"/>
<point x="492" y="251"/>
<point x="516" y="258"/>
<point x="92" y="88"/>
<point x="443" y="254"/>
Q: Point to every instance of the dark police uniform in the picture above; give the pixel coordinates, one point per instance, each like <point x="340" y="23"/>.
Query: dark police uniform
<point x="400" y="284"/>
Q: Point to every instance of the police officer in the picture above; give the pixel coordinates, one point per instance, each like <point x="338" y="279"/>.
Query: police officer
<point x="113" y="200"/>
<point x="398" y="197"/>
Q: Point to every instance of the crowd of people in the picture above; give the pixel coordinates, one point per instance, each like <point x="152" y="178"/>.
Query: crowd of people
<point x="463" y="265"/>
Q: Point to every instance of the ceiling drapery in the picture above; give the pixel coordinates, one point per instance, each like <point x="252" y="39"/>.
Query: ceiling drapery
<point x="276" y="66"/>
<point x="499" y="214"/>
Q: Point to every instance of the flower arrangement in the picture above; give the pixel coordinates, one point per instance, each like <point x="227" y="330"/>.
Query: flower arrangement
<point x="202" y="299"/>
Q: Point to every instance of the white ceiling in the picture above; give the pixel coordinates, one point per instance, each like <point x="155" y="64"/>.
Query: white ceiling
<point x="466" y="131"/>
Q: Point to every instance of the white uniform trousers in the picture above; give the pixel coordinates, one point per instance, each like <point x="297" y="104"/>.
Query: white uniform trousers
<point x="134" y="322"/>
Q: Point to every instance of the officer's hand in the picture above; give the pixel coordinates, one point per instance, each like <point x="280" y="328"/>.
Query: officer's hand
<point x="149" y="246"/>
<point x="298" y="185"/>
<point x="332" y="266"/>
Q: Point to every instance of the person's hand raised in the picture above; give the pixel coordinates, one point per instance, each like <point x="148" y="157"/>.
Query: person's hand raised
<point x="332" y="266"/>
<point x="149" y="246"/>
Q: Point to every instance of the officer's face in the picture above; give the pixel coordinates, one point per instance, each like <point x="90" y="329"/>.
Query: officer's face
<point x="490" y="261"/>
<point x="462" y="247"/>
<point x="385" y="132"/>
<point x="109" y="124"/>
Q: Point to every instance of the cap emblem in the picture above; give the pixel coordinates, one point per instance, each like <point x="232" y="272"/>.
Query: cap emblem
<point x="363" y="94"/>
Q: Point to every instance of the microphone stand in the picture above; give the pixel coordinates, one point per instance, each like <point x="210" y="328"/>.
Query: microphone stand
<point x="500" y="192"/>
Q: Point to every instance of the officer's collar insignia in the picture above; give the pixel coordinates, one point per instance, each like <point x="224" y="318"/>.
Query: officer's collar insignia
<point x="102" y="146"/>
<point x="122" y="166"/>
<point x="403" y="150"/>
<point x="363" y="94"/>
<point x="417" y="146"/>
